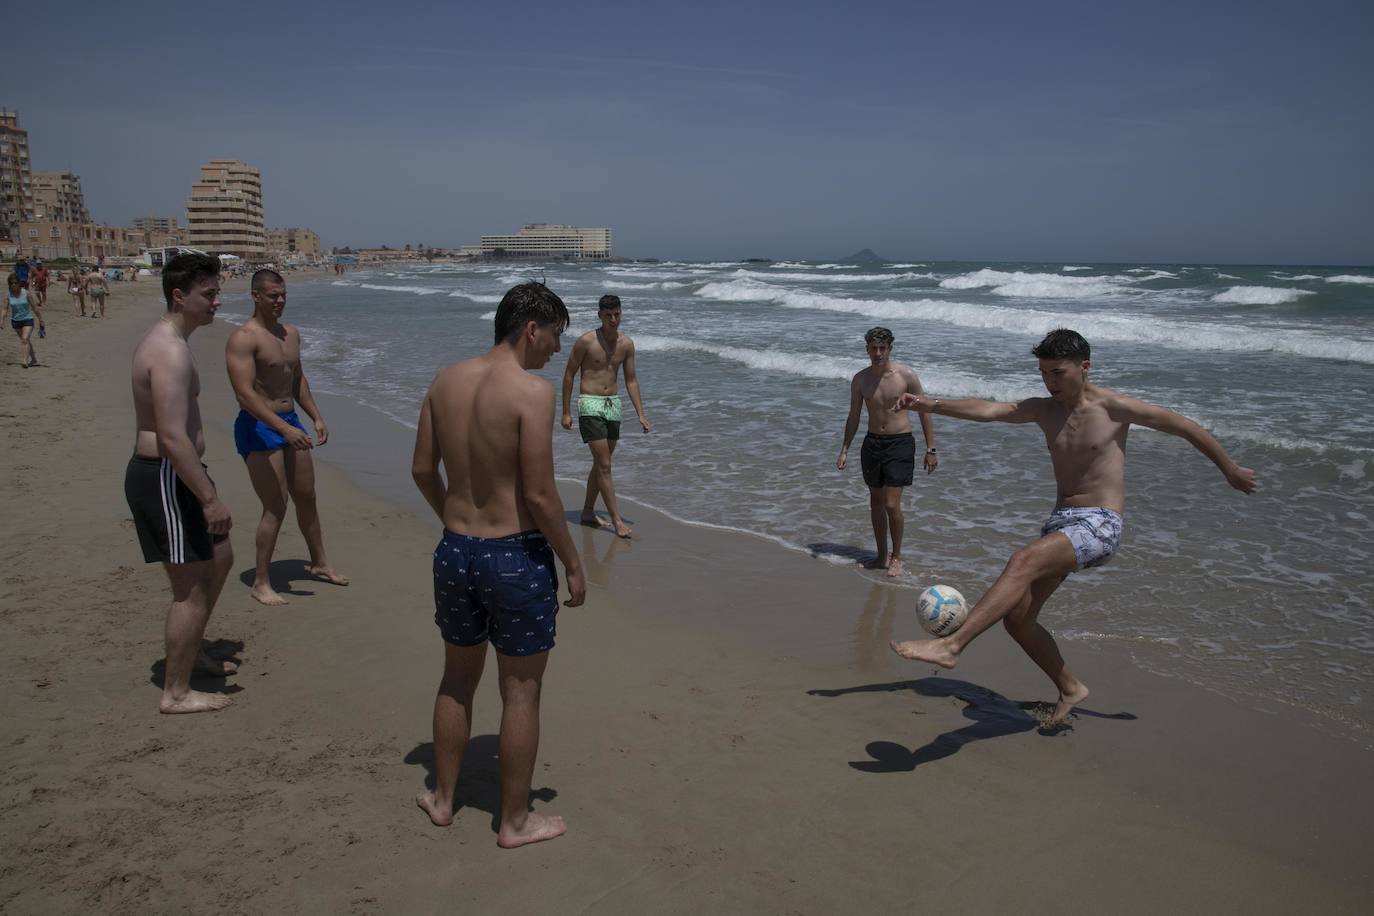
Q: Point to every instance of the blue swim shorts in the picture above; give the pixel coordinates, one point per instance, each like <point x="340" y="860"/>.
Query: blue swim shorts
<point x="502" y="589"/>
<point x="1095" y="533"/>
<point x="253" y="435"/>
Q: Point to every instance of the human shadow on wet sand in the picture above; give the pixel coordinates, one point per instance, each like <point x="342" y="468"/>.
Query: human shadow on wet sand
<point x="993" y="715"/>
<point x="574" y="517"/>
<point x="281" y="574"/>
<point x="822" y="549"/>
<point x="479" y="780"/>
<point x="222" y="650"/>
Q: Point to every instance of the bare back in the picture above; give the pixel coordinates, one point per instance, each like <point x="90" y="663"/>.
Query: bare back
<point x="1087" y="448"/>
<point x="165" y="385"/>
<point x="485" y="416"/>
<point x="600" y="364"/>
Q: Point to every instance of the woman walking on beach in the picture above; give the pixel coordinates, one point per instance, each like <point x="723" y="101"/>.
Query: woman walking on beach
<point x="76" y="290"/>
<point x="19" y="311"/>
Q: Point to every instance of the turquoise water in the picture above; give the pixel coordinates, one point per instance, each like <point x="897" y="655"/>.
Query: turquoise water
<point x="745" y="368"/>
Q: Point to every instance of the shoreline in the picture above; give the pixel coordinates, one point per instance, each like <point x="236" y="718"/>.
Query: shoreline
<point x="724" y="727"/>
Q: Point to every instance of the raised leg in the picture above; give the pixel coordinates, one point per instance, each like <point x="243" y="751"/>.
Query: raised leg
<point x="452" y="725"/>
<point x="521" y="679"/>
<point x="1049" y="557"/>
<point x="267" y="471"/>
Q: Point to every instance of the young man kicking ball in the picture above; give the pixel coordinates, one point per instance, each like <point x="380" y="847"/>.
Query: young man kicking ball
<point x="1085" y="428"/>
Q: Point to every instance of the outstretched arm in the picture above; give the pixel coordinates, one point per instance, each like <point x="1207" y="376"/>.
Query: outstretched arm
<point x="570" y="373"/>
<point x="632" y="386"/>
<point x="930" y="462"/>
<point x="976" y="409"/>
<point x="851" y="422"/>
<point x="1141" y="413"/>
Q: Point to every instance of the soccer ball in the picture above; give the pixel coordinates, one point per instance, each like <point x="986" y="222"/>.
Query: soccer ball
<point x="942" y="610"/>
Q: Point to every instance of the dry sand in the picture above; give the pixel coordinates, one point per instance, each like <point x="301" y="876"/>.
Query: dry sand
<point x="723" y="728"/>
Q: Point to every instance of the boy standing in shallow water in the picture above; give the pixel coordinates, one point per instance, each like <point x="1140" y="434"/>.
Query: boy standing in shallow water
<point x="1085" y="428"/>
<point x="598" y="355"/>
<point x="888" y="457"/>
<point x="491" y="424"/>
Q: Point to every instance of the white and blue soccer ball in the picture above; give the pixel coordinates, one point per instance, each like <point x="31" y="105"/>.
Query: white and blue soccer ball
<point x="942" y="610"/>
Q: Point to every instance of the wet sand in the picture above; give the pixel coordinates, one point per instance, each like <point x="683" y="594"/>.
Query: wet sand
<point x="724" y="728"/>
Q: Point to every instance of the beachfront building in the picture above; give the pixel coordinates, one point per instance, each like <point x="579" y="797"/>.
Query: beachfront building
<point x="57" y="196"/>
<point x="16" y="179"/>
<point x="155" y="224"/>
<point x="50" y="239"/>
<point x="224" y="211"/>
<point x="549" y="240"/>
<point x="288" y="243"/>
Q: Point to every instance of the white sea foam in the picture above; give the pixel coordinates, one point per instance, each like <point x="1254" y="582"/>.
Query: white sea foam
<point x="1066" y="268"/>
<point x="474" y="297"/>
<point x="1350" y="278"/>
<point x="1298" y="277"/>
<point x="829" y="278"/>
<point x="417" y="290"/>
<point x="812" y="365"/>
<point x="1036" y="286"/>
<point x="1227" y="277"/>
<point x="904" y="266"/>
<point x="1260" y="295"/>
<point x="1132" y="327"/>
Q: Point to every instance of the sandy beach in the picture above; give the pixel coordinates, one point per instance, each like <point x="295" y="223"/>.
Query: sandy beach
<point x="708" y="751"/>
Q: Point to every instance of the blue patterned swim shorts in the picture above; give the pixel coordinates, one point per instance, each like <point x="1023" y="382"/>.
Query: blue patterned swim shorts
<point x="502" y="589"/>
<point x="1095" y="533"/>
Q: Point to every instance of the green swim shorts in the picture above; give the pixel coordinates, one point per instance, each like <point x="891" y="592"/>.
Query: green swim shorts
<point x="598" y="417"/>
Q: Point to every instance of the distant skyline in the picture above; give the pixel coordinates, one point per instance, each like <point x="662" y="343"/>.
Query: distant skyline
<point x="1222" y="132"/>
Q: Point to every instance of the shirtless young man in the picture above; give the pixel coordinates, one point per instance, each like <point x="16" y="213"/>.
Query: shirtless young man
<point x="1085" y="428"/>
<point x="888" y="457"/>
<point x="599" y="354"/>
<point x="490" y="422"/>
<point x="264" y="361"/>
<point x="97" y="288"/>
<point x="177" y="513"/>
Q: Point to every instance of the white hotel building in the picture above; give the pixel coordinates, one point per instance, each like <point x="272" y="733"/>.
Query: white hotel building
<point x="548" y="240"/>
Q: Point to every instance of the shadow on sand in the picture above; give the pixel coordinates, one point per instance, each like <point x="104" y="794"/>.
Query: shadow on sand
<point x="479" y="780"/>
<point x="224" y="650"/>
<point x="283" y="574"/>
<point x="993" y="715"/>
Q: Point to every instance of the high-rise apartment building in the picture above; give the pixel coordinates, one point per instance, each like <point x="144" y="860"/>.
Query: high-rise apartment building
<point x="16" y="179"/>
<point x="299" y="242"/>
<point x="57" y="196"/>
<point x="224" y="211"/>
<point x="550" y="240"/>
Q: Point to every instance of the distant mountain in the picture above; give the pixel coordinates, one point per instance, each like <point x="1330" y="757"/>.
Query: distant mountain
<point x="863" y="257"/>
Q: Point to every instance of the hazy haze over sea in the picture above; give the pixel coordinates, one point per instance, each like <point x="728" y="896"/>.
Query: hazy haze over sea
<point x="745" y="369"/>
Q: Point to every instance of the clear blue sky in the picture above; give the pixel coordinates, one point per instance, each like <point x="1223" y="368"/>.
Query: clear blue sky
<point x="1161" y="131"/>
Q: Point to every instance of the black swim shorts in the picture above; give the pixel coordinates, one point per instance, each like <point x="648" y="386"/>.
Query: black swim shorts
<point x="889" y="460"/>
<point x="167" y="516"/>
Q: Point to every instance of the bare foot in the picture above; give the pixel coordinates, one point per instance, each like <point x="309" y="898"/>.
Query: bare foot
<point x="1067" y="701"/>
<point x="193" y="701"/>
<point x="441" y="815"/>
<point x="537" y="827"/>
<point x="894" y="568"/>
<point x="327" y="574"/>
<point x="927" y="650"/>
<point x="263" y="594"/>
<point x="204" y="664"/>
<point x="592" y="520"/>
<point x="622" y="530"/>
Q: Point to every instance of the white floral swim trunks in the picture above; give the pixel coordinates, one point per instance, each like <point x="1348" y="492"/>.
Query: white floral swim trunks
<point x="1095" y="533"/>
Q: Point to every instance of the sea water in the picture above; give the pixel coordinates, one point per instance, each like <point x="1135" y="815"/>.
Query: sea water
<point x="745" y="371"/>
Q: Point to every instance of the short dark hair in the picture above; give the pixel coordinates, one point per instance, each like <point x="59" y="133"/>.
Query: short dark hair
<point x="265" y="275"/>
<point x="185" y="271"/>
<point x="529" y="301"/>
<point x="881" y="335"/>
<point x="607" y="301"/>
<point x="1062" y="343"/>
